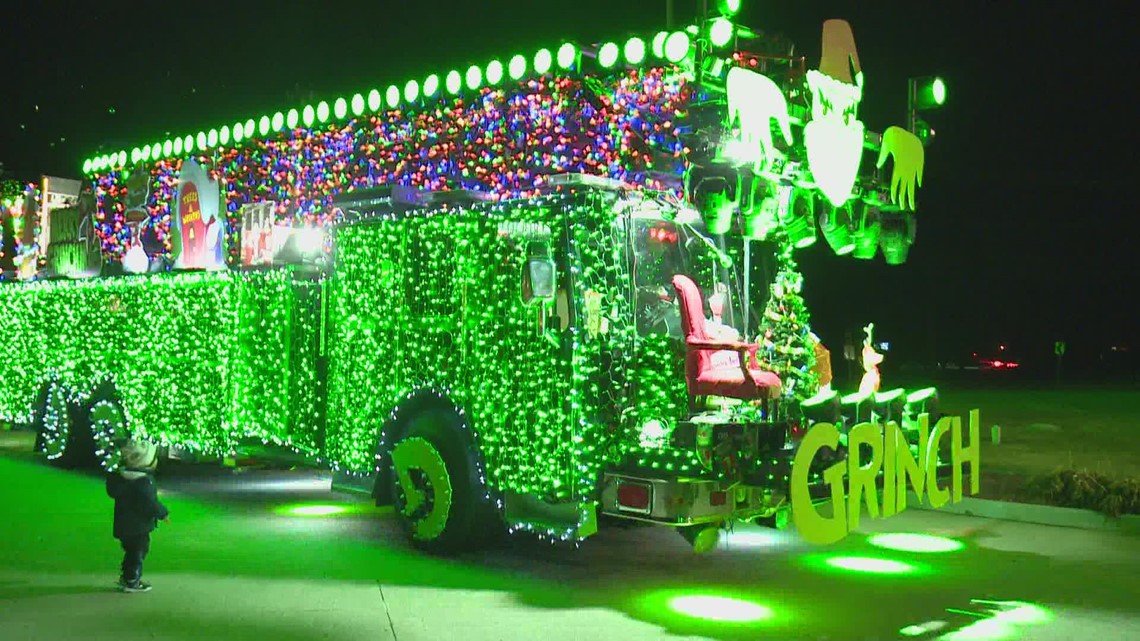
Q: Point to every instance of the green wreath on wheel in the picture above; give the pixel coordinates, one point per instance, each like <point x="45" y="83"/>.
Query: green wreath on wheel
<point x="109" y="430"/>
<point x="426" y="487"/>
<point x="57" y="421"/>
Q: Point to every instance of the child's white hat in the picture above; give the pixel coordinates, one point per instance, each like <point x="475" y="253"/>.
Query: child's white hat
<point x="139" y="455"/>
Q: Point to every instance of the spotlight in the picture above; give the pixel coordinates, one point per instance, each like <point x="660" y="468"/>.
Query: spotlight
<point x="890" y="405"/>
<point x="760" y="211"/>
<point x="924" y="401"/>
<point x="835" y="223"/>
<point x="857" y="407"/>
<point x="720" y="32"/>
<point x="702" y="537"/>
<point x="927" y="93"/>
<point x="824" y="407"/>
<point x="728" y="8"/>
<point x="677" y="46"/>
<point x="896" y="237"/>
<point x="714" y="192"/>
<point x="866" y="234"/>
<point x="799" y="218"/>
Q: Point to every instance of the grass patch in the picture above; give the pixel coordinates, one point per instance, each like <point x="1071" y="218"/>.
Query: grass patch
<point x="1065" y="447"/>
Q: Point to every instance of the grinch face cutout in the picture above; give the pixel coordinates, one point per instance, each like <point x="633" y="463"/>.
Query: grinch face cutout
<point x="834" y="137"/>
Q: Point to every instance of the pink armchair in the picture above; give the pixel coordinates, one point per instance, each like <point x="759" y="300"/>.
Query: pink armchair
<point x="739" y="377"/>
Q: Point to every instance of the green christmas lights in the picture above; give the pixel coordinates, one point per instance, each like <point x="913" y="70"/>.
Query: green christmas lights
<point x="197" y="359"/>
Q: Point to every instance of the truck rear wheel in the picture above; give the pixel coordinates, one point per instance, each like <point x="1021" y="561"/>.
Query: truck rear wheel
<point x="434" y="497"/>
<point x="53" y="422"/>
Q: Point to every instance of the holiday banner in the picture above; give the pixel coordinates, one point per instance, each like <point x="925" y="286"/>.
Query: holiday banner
<point x="197" y="226"/>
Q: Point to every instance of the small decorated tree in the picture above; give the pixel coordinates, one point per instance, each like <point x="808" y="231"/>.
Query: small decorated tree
<point x="787" y="347"/>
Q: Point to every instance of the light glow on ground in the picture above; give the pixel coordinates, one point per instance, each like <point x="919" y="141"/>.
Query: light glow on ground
<point x="921" y="543"/>
<point x="869" y="565"/>
<point x="717" y="608"/>
<point x="311" y="510"/>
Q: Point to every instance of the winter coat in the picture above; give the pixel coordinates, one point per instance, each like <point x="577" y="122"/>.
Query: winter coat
<point x="137" y="508"/>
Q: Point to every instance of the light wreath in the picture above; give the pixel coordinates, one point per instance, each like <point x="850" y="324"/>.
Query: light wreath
<point x="57" y="421"/>
<point x="109" y="429"/>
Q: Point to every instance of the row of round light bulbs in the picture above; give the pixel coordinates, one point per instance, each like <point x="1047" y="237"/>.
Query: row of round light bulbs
<point x="673" y="47"/>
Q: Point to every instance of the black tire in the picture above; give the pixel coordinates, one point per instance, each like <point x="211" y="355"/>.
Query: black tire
<point x="466" y="526"/>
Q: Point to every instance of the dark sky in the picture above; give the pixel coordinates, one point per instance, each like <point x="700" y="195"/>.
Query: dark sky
<point x="1027" y="231"/>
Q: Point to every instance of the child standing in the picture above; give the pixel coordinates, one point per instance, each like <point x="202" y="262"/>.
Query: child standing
<point x="137" y="509"/>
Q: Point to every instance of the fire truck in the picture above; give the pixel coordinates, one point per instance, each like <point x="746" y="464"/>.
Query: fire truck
<point x="531" y="295"/>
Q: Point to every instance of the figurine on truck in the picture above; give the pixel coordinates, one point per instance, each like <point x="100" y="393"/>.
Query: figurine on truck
<point x="530" y="294"/>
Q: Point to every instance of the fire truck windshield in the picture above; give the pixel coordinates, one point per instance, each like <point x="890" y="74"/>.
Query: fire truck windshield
<point x="662" y="249"/>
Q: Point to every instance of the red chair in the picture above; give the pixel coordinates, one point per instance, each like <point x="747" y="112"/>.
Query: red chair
<point x="708" y="373"/>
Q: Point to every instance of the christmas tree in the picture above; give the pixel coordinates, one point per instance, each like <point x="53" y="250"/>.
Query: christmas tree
<point x="786" y="344"/>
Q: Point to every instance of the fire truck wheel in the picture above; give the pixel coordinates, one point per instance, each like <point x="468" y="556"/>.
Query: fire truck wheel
<point x="108" y="428"/>
<point x="434" y="497"/>
<point x="54" y="423"/>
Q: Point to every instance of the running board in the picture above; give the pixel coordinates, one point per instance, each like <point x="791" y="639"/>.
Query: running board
<point x="353" y="483"/>
<point x="527" y="512"/>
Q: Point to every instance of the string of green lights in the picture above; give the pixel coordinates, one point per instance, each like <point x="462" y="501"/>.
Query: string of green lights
<point x="198" y="359"/>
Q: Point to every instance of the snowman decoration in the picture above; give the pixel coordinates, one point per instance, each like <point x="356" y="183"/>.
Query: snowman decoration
<point x="135" y="259"/>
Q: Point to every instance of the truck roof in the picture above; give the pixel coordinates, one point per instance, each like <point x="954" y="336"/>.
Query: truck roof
<point x="409" y="95"/>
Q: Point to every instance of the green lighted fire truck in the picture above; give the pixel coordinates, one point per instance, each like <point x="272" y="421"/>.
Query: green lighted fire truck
<point x="529" y="295"/>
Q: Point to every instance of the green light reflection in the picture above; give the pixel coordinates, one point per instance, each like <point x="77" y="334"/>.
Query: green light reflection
<point x="869" y="565"/>
<point x="921" y="543"/>
<point x="309" y="509"/>
<point x="717" y="608"/>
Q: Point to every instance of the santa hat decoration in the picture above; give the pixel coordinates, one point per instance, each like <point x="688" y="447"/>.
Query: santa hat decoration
<point x="840" y="58"/>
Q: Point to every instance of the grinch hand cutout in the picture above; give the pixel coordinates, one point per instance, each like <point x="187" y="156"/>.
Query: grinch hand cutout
<point x="834" y="137"/>
<point x="871" y="360"/>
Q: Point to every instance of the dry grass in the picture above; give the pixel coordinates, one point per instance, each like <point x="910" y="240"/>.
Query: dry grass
<point x="1073" y="488"/>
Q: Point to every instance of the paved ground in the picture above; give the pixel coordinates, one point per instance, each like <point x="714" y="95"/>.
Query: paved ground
<point x="240" y="562"/>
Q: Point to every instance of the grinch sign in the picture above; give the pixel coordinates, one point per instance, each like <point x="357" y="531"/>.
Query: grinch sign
<point x="890" y="455"/>
<point x="197" y="222"/>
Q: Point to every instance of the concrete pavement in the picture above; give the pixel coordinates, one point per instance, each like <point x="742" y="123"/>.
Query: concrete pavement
<point x="245" y="558"/>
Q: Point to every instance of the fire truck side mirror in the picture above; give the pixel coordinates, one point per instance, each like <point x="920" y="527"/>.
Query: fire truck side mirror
<point x="540" y="277"/>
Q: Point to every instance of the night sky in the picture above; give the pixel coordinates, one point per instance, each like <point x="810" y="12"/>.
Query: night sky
<point x="1026" y="232"/>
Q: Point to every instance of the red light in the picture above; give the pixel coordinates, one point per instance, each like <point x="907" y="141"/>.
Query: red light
<point x="631" y="496"/>
<point x="998" y="364"/>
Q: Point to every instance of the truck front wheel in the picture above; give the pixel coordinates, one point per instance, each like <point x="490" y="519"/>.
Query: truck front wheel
<point x="434" y="497"/>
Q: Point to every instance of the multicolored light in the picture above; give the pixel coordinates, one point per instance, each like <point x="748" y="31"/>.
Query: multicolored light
<point x="506" y="141"/>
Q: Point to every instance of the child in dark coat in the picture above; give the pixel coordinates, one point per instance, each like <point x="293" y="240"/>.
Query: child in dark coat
<point x="137" y="509"/>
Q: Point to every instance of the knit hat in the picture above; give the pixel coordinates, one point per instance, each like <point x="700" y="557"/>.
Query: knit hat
<point x="139" y="455"/>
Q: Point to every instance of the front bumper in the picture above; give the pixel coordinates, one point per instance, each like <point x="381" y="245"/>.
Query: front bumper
<point x="682" y="501"/>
